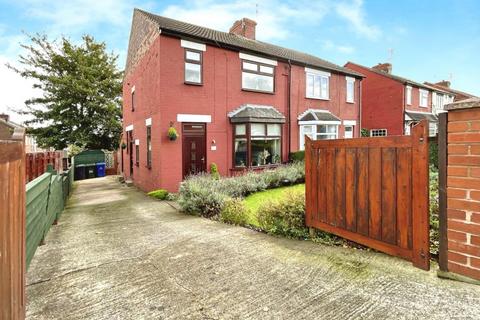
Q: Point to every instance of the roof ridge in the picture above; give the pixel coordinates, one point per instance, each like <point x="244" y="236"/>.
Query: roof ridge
<point x="242" y="43"/>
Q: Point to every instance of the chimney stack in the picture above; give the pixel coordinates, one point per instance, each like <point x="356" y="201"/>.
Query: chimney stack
<point x="444" y="83"/>
<point x="245" y="28"/>
<point x="384" y="67"/>
<point x="4" y="116"/>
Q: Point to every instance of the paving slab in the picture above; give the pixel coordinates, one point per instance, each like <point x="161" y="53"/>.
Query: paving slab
<point x="118" y="254"/>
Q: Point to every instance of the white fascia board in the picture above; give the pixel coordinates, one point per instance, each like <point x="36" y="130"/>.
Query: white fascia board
<point x="133" y="89"/>
<point x="137" y="142"/>
<point x="316" y="71"/>
<point x="249" y="57"/>
<point x="193" y="45"/>
<point x="350" y="79"/>
<point x="349" y="122"/>
<point x="203" y="118"/>
<point x="129" y="128"/>
<point x="318" y="122"/>
<point x="148" y="122"/>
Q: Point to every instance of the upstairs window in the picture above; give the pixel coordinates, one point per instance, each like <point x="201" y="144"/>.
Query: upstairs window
<point x="350" y="89"/>
<point x="257" y="76"/>
<point x="317" y="84"/>
<point x="409" y="95"/>
<point x="423" y="98"/>
<point x="133" y="98"/>
<point x="149" y="146"/>
<point x="193" y="66"/>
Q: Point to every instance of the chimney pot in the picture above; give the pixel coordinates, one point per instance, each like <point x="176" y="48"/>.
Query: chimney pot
<point x="244" y="27"/>
<point x="384" y="67"/>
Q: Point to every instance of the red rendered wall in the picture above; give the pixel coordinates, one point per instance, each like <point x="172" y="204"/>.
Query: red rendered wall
<point x="160" y="94"/>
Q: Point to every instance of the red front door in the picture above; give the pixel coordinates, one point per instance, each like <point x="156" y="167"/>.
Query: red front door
<point x="194" y="148"/>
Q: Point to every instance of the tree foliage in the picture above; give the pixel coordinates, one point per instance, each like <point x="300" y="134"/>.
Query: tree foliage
<point x="81" y="86"/>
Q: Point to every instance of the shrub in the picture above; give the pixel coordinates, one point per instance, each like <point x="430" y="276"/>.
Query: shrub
<point x="434" y="210"/>
<point x="214" y="171"/>
<point x="205" y="195"/>
<point x="297" y="156"/>
<point x="285" y="216"/>
<point x="433" y="154"/>
<point x="234" y="212"/>
<point x="365" y="133"/>
<point x="160" y="194"/>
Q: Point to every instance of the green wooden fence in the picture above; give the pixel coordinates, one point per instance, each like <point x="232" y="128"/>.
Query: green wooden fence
<point x="45" y="200"/>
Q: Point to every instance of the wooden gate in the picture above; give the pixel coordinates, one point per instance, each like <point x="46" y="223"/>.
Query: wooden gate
<point x="12" y="227"/>
<point x="373" y="191"/>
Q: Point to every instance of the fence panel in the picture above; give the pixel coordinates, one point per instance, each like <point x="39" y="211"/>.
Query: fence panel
<point x="373" y="191"/>
<point x="37" y="162"/>
<point x="37" y="200"/>
<point x="12" y="227"/>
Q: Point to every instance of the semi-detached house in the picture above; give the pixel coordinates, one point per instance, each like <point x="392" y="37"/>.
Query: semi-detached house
<point x="391" y="104"/>
<point x="240" y="103"/>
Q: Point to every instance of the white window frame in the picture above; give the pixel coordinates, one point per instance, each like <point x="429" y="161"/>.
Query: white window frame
<point x="345" y="131"/>
<point x="409" y="95"/>
<point x="318" y="75"/>
<point x="378" y="132"/>
<point x="350" y="80"/>
<point x="421" y="98"/>
<point x="314" y="134"/>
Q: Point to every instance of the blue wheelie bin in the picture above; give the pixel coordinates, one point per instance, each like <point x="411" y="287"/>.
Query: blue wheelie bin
<point x="100" y="169"/>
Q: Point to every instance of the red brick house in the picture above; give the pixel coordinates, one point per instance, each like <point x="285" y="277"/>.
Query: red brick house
<point x="392" y="104"/>
<point x="235" y="101"/>
<point x="444" y="85"/>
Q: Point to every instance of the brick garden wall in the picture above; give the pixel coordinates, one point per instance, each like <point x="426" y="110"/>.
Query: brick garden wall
<point x="463" y="192"/>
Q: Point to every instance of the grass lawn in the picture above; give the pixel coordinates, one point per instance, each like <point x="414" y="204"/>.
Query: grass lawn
<point x="254" y="200"/>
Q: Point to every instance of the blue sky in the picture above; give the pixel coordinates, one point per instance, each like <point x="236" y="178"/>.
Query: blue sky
<point x="424" y="40"/>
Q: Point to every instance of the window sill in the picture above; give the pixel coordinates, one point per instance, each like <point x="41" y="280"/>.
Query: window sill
<point x="269" y="166"/>
<point x="317" y="98"/>
<point x="351" y="102"/>
<point x="258" y="91"/>
<point x="148" y="167"/>
<point x="193" y="83"/>
<point x="423" y="107"/>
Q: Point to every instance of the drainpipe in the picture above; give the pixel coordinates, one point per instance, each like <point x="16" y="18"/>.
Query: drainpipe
<point x="289" y="148"/>
<point x="360" y="126"/>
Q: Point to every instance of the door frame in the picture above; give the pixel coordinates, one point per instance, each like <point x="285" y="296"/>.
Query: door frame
<point x="204" y="124"/>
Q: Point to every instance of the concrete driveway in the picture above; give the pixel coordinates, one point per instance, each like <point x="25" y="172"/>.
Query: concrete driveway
<point x="117" y="254"/>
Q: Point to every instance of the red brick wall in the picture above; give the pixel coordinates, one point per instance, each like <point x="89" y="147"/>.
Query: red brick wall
<point x="382" y="101"/>
<point x="463" y="192"/>
<point x="160" y="94"/>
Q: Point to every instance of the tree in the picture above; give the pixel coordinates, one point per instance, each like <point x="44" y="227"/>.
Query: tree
<point x="81" y="102"/>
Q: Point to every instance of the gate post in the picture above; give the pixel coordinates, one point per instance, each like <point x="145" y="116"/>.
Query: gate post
<point x="442" y="190"/>
<point x="420" y="196"/>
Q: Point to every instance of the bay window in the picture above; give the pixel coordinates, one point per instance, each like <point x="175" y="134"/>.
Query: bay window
<point x="257" y="144"/>
<point x="257" y="76"/>
<point x="317" y="132"/>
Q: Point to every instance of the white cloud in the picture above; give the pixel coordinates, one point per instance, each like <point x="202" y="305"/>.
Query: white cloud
<point x="274" y="17"/>
<point x="330" y="45"/>
<point x="354" y="13"/>
<point x="15" y="90"/>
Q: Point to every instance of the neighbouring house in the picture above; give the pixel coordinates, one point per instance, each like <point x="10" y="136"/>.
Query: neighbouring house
<point x="444" y="85"/>
<point x="391" y="105"/>
<point x="235" y="101"/>
<point x="7" y="126"/>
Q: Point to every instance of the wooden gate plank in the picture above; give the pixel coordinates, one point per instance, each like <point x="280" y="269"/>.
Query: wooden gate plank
<point x="322" y="185"/>
<point x="340" y="187"/>
<point x="375" y="193"/>
<point x="314" y="182"/>
<point x="362" y="191"/>
<point x="350" y="189"/>
<point x="420" y="196"/>
<point x="389" y="188"/>
<point x="330" y="189"/>
<point x="404" y="223"/>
